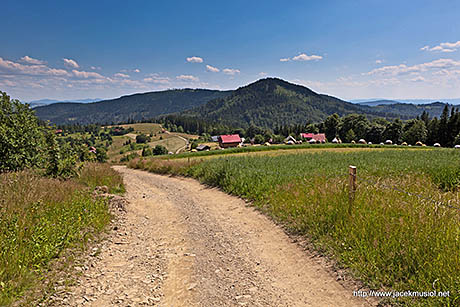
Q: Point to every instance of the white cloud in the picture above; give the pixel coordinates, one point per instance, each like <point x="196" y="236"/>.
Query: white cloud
<point x="188" y="78"/>
<point x="29" y="60"/>
<point x="303" y="57"/>
<point x="212" y="68"/>
<point x="443" y="47"/>
<point x="402" y="69"/>
<point x="96" y="68"/>
<point x="11" y="67"/>
<point x="418" y="79"/>
<point x="87" y="74"/>
<point x="120" y="75"/>
<point x="262" y="74"/>
<point x="137" y="70"/>
<point x="378" y="61"/>
<point x="195" y="59"/>
<point x="155" y="78"/>
<point x="70" y="63"/>
<point x="231" y="71"/>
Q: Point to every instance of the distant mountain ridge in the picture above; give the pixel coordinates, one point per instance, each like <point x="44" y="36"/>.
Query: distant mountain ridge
<point x="44" y="102"/>
<point x="373" y="101"/>
<point x="267" y="102"/>
<point x="132" y="107"/>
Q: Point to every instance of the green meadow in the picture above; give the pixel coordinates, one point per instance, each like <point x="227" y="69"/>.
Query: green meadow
<point x="401" y="232"/>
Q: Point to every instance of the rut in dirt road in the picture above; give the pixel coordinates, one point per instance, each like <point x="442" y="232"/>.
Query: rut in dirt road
<point x="184" y="244"/>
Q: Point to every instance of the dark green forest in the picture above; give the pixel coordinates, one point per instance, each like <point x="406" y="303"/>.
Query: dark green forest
<point x="267" y="103"/>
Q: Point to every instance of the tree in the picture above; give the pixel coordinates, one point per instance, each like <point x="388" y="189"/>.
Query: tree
<point x="146" y="151"/>
<point x="375" y="133"/>
<point x="349" y="136"/>
<point x="22" y="139"/>
<point x="160" y="150"/>
<point x="331" y="126"/>
<point x="356" y="122"/>
<point x="433" y="131"/>
<point x="394" y="131"/>
<point x="415" y="131"/>
<point x="443" y="129"/>
<point x="142" y="139"/>
<point x="259" y="139"/>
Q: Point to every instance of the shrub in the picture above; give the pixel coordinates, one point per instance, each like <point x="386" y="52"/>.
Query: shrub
<point x="142" y="139"/>
<point x="160" y="150"/>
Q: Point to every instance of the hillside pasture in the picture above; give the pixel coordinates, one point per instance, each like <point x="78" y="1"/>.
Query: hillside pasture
<point x="170" y="141"/>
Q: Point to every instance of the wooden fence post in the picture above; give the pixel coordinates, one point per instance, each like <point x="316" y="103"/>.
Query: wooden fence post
<point x="352" y="186"/>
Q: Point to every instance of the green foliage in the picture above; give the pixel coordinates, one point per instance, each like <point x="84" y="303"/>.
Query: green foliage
<point x="273" y="102"/>
<point x="22" y="140"/>
<point x="415" y="131"/>
<point x="259" y="139"/>
<point x="142" y="139"/>
<point x="349" y="136"/>
<point x="146" y="151"/>
<point x="159" y="150"/>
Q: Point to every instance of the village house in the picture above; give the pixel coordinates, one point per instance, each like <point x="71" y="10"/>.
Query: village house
<point x="290" y="140"/>
<point x="314" y="138"/>
<point x="203" y="147"/>
<point x="229" y="140"/>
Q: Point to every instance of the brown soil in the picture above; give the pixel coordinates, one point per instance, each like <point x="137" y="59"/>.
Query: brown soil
<point x="183" y="244"/>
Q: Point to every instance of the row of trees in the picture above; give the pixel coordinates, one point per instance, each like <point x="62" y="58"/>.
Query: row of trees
<point x="444" y="130"/>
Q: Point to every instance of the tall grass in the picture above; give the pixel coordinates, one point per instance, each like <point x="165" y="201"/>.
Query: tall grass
<point x="40" y="217"/>
<point x="390" y="240"/>
<point x="98" y="174"/>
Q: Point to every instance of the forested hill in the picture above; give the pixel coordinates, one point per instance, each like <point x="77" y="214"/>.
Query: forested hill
<point x="133" y="107"/>
<point x="274" y="102"/>
<point x="266" y="103"/>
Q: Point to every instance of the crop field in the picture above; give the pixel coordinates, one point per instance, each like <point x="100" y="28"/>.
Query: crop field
<point x="401" y="231"/>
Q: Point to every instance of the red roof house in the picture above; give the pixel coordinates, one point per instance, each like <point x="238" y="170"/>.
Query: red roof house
<point x="229" y="140"/>
<point x="306" y="135"/>
<point x="319" y="138"/>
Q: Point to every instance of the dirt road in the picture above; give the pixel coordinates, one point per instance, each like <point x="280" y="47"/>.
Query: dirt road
<point x="184" y="244"/>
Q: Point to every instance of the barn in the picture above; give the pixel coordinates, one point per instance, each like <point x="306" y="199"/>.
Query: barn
<point x="319" y="137"/>
<point x="229" y="140"/>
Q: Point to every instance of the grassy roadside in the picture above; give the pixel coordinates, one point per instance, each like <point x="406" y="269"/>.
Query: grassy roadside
<point x="390" y="240"/>
<point x="41" y="217"/>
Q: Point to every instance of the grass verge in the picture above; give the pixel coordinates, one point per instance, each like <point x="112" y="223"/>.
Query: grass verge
<point x="41" y="217"/>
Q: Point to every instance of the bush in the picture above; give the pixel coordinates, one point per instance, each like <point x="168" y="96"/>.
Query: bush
<point x="142" y="139"/>
<point x="160" y="150"/>
<point x="146" y="151"/>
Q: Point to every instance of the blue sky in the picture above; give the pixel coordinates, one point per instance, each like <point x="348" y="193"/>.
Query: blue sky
<point x="349" y="49"/>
